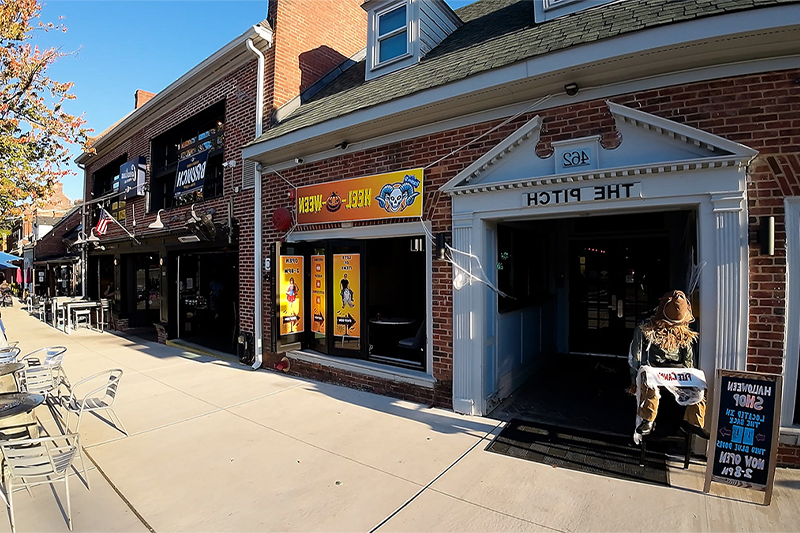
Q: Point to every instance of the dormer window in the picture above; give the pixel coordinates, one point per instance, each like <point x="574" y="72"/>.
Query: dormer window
<point x="545" y="10"/>
<point x="401" y="32"/>
<point x="392" y="34"/>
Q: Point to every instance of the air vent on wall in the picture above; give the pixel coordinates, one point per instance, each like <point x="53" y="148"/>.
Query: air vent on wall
<point x="189" y="238"/>
<point x="249" y="175"/>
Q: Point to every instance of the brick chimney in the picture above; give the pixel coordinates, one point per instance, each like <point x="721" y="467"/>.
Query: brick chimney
<point x="142" y="97"/>
<point x="312" y="37"/>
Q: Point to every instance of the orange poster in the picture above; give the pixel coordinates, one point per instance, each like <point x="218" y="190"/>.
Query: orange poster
<point x="318" y="293"/>
<point x="391" y="195"/>
<point x="290" y="287"/>
<point x="347" y="306"/>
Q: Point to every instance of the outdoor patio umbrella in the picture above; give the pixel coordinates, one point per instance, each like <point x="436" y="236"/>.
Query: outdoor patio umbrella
<point x="19" y="275"/>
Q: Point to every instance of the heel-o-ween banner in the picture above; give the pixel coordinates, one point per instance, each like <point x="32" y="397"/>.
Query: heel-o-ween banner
<point x="290" y="287"/>
<point x="391" y="195"/>
<point x="347" y="301"/>
<point x="318" y="294"/>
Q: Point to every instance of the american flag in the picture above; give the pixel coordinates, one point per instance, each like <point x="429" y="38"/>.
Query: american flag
<point x="102" y="225"/>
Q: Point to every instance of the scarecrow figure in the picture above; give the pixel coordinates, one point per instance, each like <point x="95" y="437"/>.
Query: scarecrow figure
<point x="663" y="342"/>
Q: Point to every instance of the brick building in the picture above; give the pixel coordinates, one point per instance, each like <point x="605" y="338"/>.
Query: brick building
<point x="52" y="264"/>
<point x="36" y="220"/>
<point x="577" y="159"/>
<point x="179" y="250"/>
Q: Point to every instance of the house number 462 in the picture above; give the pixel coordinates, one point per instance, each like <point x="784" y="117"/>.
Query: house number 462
<point x="576" y="158"/>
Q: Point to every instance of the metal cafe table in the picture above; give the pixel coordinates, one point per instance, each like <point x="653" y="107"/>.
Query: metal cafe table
<point x="16" y="414"/>
<point x="8" y="378"/>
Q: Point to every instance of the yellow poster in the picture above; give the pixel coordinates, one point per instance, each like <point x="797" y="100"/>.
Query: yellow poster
<point x="347" y="304"/>
<point x="290" y="287"/>
<point x="318" y="293"/>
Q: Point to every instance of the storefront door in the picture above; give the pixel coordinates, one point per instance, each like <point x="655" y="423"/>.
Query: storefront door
<point x="319" y="296"/>
<point x="613" y="284"/>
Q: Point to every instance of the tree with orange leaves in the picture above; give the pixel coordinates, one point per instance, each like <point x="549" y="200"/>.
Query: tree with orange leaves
<point x="34" y="128"/>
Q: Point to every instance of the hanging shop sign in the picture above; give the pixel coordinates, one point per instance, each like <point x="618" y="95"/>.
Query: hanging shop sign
<point x="392" y="195"/>
<point x="575" y="195"/>
<point x="346" y="276"/>
<point x="318" y="294"/>
<point x="191" y="174"/>
<point x="131" y="178"/>
<point x="290" y="287"/>
<point x="744" y="430"/>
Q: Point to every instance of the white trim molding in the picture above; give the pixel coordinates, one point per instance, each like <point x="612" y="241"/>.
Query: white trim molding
<point x="669" y="166"/>
<point x="791" y="355"/>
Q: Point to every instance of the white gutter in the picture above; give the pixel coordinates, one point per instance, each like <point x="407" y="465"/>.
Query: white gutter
<point x="258" y="332"/>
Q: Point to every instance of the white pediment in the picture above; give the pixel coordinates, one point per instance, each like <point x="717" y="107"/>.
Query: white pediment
<point x="648" y="145"/>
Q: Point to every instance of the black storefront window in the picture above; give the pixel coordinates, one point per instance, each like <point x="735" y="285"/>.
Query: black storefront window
<point x="204" y="132"/>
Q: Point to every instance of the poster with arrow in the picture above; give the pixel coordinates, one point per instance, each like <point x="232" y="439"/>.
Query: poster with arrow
<point x="744" y="431"/>
<point x="347" y="301"/>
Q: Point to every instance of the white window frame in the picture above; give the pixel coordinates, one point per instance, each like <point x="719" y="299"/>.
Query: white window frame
<point x="545" y="10"/>
<point x="376" y="45"/>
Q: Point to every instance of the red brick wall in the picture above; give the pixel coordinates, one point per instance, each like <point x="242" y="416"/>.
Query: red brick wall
<point x="789" y="456"/>
<point x="761" y="111"/>
<point x="312" y="37"/>
<point x="238" y="89"/>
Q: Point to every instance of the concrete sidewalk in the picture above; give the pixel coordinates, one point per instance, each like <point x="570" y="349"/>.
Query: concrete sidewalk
<point x="214" y="446"/>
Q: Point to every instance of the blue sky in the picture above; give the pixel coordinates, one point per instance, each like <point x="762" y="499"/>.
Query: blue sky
<point x="118" y="47"/>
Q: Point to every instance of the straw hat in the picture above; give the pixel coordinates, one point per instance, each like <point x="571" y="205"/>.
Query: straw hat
<point x="674" y="309"/>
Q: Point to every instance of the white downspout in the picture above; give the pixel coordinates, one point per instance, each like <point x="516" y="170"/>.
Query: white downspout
<point x="258" y="330"/>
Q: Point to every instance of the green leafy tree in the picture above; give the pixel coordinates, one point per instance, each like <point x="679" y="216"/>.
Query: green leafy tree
<point x="35" y="131"/>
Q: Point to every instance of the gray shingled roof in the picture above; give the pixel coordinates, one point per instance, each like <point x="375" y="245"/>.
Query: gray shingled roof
<point x="497" y="33"/>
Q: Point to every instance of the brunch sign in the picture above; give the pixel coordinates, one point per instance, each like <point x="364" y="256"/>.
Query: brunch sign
<point x="391" y="195"/>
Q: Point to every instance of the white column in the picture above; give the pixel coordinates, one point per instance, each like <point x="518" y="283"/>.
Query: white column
<point x="731" y="274"/>
<point x="791" y="356"/>
<point x="465" y="360"/>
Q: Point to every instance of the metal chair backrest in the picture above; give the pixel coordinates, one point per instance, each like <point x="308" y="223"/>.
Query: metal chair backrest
<point x="9" y="354"/>
<point x="40" y="379"/>
<point x="114" y="377"/>
<point x="52" y="355"/>
<point x="42" y="457"/>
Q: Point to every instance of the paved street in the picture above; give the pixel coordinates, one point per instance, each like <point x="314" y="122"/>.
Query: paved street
<point x="214" y="446"/>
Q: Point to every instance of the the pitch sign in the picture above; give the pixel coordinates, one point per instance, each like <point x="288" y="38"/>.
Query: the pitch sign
<point x="584" y="195"/>
<point x="191" y="174"/>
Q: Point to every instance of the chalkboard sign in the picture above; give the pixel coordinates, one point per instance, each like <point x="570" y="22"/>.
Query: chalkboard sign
<point x="744" y="430"/>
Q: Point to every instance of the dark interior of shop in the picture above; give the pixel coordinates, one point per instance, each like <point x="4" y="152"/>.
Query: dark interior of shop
<point x="396" y="311"/>
<point x="602" y="276"/>
<point x="209" y="289"/>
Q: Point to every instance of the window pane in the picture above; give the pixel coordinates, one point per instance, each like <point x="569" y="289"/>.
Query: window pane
<point x="392" y="20"/>
<point x="393" y="47"/>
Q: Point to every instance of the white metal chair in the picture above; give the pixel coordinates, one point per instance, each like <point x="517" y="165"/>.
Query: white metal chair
<point x="59" y="316"/>
<point x="93" y="401"/>
<point x="43" y="373"/>
<point x="9" y="354"/>
<point x="82" y="316"/>
<point x="32" y="462"/>
<point x="102" y="314"/>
